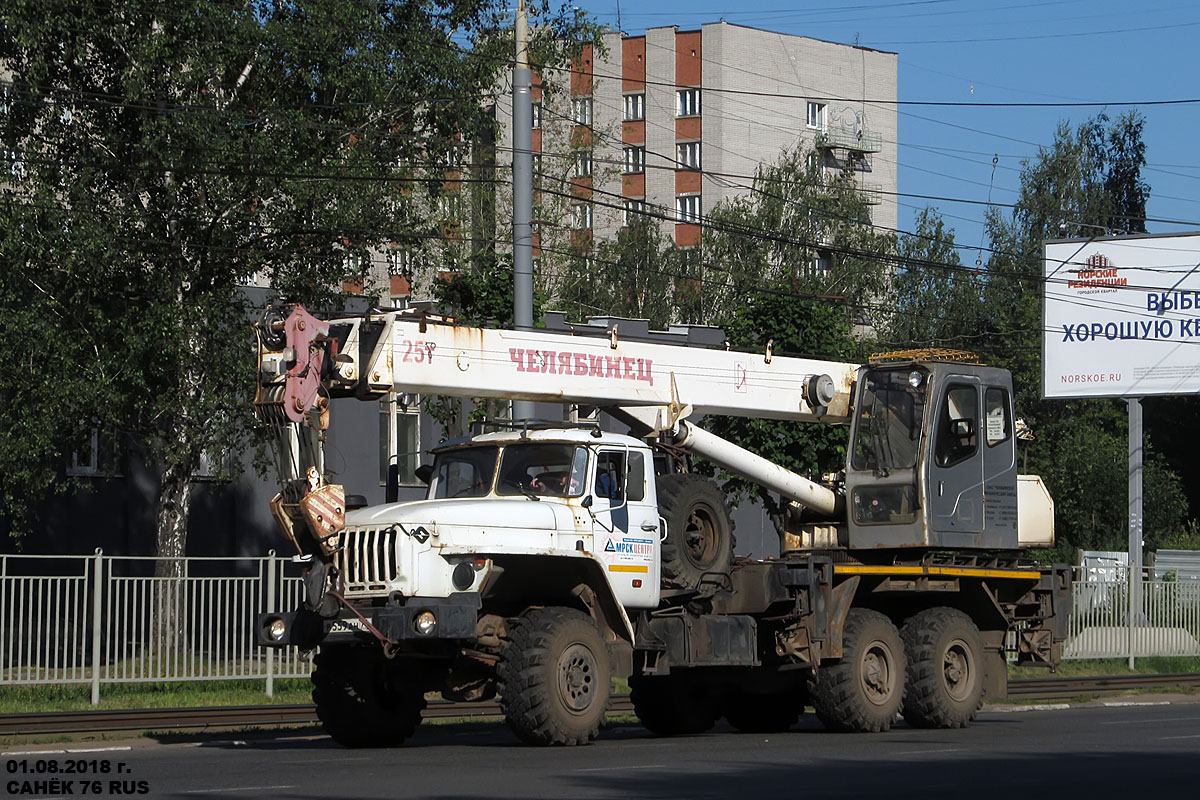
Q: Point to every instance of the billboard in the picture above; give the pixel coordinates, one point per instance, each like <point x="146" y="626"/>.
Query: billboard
<point x="1121" y="316"/>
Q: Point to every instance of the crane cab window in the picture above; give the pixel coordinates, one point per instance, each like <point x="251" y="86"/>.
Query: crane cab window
<point x="958" y="425"/>
<point x="997" y="422"/>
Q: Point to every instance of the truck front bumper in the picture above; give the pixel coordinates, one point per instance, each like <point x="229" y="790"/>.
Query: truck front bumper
<point x="454" y="621"/>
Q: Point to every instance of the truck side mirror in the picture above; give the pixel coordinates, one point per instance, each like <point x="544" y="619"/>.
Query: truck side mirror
<point x="391" y="492"/>
<point x="962" y="428"/>
<point x="424" y="473"/>
<point x="586" y="502"/>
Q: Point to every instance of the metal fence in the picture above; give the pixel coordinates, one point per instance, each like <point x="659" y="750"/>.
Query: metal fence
<point x="1103" y="625"/>
<point x="117" y="619"/>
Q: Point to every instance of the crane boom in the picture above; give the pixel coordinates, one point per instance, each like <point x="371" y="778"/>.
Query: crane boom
<point x="392" y="352"/>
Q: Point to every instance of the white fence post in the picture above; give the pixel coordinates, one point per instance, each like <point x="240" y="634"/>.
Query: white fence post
<point x="97" y="584"/>
<point x="271" y="577"/>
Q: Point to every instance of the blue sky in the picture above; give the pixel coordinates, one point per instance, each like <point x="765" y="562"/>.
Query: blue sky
<point x="971" y="51"/>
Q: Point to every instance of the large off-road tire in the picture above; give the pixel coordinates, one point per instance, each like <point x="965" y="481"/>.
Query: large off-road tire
<point x="764" y="713"/>
<point x="699" y="538"/>
<point x="364" y="700"/>
<point x="555" y="677"/>
<point x="864" y="691"/>
<point x="674" y="705"/>
<point x="945" y="669"/>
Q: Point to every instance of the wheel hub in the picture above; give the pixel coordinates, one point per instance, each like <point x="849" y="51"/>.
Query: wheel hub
<point x="876" y="673"/>
<point x="957" y="669"/>
<point x="576" y="678"/>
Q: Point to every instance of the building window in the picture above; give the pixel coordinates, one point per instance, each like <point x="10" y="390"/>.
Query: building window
<point x="400" y="437"/>
<point x="450" y="206"/>
<point x="687" y="208"/>
<point x="633" y="210"/>
<point x="583" y="164"/>
<point x="400" y="261"/>
<point x="821" y="265"/>
<point x="687" y="102"/>
<point x="635" y="107"/>
<point x="635" y="159"/>
<point x="214" y="466"/>
<point x="581" y="110"/>
<point x="581" y="216"/>
<point x="94" y="455"/>
<point x="815" y="116"/>
<point x="687" y="155"/>
<point x="537" y="114"/>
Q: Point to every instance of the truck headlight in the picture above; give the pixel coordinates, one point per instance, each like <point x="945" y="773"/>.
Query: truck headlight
<point x="425" y="623"/>
<point x="276" y="629"/>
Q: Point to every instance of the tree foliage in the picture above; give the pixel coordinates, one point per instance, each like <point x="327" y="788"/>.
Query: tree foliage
<point x="164" y="155"/>
<point x="802" y="230"/>
<point x="938" y="302"/>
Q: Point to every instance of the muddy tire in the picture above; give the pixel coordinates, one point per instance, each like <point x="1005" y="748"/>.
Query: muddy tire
<point x="699" y="537"/>
<point x="674" y="705"/>
<point x="364" y="700"/>
<point x="555" y="677"/>
<point x="764" y="713"/>
<point x="945" y="669"/>
<point x="864" y="691"/>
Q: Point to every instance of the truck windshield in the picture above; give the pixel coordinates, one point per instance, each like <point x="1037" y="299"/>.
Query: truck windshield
<point x="466" y="472"/>
<point x="543" y="468"/>
<point x="887" y="430"/>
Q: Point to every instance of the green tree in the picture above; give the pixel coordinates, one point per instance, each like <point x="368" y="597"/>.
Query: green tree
<point x="797" y="327"/>
<point x="938" y="302"/>
<point x="163" y="155"/>
<point x="624" y="277"/>
<point x="797" y="262"/>
<point x="1086" y="184"/>
<point x="803" y="229"/>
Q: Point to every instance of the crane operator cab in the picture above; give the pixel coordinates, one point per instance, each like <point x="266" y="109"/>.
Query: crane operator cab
<point x="932" y="458"/>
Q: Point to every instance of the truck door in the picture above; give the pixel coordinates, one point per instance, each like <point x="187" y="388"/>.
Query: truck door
<point x="625" y="525"/>
<point x="956" y="466"/>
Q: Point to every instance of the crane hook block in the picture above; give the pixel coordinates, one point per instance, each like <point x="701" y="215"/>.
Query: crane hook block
<point x="304" y="336"/>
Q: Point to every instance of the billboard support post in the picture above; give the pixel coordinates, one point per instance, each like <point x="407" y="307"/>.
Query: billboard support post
<point x="1135" y="519"/>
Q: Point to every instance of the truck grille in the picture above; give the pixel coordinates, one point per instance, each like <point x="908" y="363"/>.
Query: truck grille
<point x="367" y="560"/>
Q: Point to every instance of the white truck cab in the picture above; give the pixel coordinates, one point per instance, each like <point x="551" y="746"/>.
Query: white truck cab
<point x="561" y="492"/>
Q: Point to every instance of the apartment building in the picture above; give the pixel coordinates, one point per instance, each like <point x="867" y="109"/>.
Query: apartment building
<point x="674" y="122"/>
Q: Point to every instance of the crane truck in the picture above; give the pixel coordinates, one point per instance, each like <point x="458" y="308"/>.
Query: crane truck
<point x="547" y="559"/>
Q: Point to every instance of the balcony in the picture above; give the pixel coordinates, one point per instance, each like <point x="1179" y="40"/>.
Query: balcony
<point x="859" y="141"/>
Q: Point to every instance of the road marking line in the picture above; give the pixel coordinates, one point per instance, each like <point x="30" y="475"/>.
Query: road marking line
<point x="1141" y="721"/>
<point x="923" y="752"/>
<point x="1015" y="709"/>
<point x="615" y="769"/>
<point x="1167" y="738"/>
<point x="100" y="749"/>
<point x="1132" y="703"/>
<point x="35" y="753"/>
<point x="236" y="789"/>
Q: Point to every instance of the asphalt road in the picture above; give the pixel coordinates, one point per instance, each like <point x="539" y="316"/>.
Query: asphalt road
<point x="1100" y="751"/>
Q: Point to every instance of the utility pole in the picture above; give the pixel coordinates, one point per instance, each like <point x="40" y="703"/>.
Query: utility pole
<point x="1136" y="613"/>
<point x="522" y="131"/>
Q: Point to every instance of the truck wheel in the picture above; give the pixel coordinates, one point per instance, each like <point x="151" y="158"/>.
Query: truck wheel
<point x="945" y="671"/>
<point x="764" y="713"/>
<point x="555" y="677"/>
<point x="699" y="530"/>
<point x="864" y="691"/>
<point x="363" y="700"/>
<point x="673" y="705"/>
